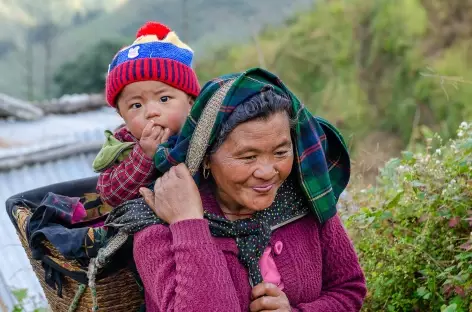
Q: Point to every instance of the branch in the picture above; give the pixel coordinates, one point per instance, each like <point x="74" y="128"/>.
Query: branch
<point x="12" y="107"/>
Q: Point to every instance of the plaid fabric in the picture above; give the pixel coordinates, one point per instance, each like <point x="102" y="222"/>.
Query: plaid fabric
<point x="121" y="182"/>
<point x="323" y="162"/>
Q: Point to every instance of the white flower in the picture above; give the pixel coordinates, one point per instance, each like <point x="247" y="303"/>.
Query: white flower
<point x="438" y="151"/>
<point x="464" y="125"/>
<point x="460" y="134"/>
<point x="437" y="162"/>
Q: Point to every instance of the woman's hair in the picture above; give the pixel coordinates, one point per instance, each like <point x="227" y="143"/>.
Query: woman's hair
<point x="260" y="106"/>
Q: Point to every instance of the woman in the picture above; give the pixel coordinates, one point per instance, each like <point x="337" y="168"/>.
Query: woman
<point x="260" y="231"/>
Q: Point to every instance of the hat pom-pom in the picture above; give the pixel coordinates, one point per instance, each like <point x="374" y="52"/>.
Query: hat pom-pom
<point x="153" y="28"/>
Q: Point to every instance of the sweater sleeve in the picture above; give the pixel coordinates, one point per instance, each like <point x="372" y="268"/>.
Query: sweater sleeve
<point x="182" y="269"/>
<point x="122" y="181"/>
<point x="344" y="286"/>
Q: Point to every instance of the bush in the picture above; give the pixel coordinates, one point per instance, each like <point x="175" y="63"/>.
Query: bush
<point x="413" y="230"/>
<point x="87" y="73"/>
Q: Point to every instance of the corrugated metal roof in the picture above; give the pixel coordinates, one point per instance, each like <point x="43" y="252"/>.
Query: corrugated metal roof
<point x="56" y="126"/>
<point x="35" y="136"/>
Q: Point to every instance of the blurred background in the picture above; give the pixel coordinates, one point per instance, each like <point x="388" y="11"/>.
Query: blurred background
<point x="387" y="73"/>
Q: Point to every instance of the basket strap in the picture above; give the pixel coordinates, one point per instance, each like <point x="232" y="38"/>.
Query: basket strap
<point x="75" y="303"/>
<point x="99" y="262"/>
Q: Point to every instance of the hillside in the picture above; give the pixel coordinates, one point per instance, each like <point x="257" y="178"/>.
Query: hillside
<point x="15" y="15"/>
<point x="386" y="72"/>
<point x="209" y="23"/>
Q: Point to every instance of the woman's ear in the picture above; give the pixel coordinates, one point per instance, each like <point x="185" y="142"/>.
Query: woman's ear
<point x="206" y="167"/>
<point x="206" y="162"/>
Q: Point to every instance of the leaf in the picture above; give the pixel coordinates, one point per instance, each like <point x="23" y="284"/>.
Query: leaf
<point x="447" y="289"/>
<point x="386" y="215"/>
<point x="392" y="203"/>
<point x="469" y="220"/>
<point x="466" y="246"/>
<point x="20" y="294"/>
<point x="449" y="308"/>
<point x="426" y="131"/>
<point x="466" y="145"/>
<point x="407" y="155"/>
<point x="453" y="222"/>
<point x="424" y="217"/>
<point x="417" y="184"/>
<point x="460" y="291"/>
<point x="421" y="291"/>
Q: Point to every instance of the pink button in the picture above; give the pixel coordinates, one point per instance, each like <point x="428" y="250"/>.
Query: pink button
<point x="278" y="247"/>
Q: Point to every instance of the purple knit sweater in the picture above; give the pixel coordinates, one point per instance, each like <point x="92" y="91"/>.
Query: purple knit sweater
<point x="184" y="268"/>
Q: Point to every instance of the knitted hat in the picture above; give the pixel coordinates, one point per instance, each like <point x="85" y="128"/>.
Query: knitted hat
<point x="156" y="54"/>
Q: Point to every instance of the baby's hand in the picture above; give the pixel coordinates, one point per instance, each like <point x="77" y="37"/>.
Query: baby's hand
<point x="152" y="136"/>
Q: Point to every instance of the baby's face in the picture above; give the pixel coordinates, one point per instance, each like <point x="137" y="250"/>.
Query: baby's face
<point x="143" y="101"/>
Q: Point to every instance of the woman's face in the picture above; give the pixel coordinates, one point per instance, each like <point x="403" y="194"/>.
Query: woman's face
<point x="252" y="163"/>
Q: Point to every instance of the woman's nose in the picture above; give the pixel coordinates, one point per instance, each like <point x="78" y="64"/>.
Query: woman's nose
<point x="265" y="172"/>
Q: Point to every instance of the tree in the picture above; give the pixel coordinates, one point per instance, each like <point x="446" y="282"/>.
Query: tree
<point x="87" y="73"/>
<point x="45" y="34"/>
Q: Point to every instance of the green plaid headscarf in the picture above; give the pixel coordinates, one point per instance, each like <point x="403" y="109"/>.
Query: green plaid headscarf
<point x="322" y="159"/>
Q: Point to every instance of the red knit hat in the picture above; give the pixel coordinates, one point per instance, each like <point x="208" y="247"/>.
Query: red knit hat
<point x="156" y="54"/>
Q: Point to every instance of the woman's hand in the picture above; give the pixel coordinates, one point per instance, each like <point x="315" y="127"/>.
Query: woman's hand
<point x="176" y="196"/>
<point x="268" y="297"/>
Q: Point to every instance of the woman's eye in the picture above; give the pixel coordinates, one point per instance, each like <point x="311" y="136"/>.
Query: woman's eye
<point x="252" y="157"/>
<point x="135" y="105"/>
<point x="164" y="99"/>
<point x="281" y="153"/>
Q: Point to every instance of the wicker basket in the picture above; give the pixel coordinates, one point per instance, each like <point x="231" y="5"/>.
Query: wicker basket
<point x="117" y="288"/>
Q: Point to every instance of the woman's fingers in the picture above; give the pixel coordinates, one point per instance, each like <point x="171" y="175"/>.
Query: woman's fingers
<point x="148" y="196"/>
<point x="268" y="297"/>
<point x="265" y="303"/>
<point x="265" y="289"/>
<point x="177" y="196"/>
<point x="182" y="172"/>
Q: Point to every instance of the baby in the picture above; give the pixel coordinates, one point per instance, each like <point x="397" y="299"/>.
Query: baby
<point x="152" y="86"/>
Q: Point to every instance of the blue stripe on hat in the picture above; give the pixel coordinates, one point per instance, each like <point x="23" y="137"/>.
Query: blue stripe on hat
<point x="153" y="50"/>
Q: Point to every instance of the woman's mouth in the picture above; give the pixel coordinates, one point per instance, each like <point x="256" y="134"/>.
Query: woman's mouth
<point x="263" y="188"/>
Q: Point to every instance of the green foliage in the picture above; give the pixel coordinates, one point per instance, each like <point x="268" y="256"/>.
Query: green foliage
<point x="21" y="296"/>
<point x="200" y="23"/>
<point x="363" y="64"/>
<point x="87" y="73"/>
<point x="413" y="231"/>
